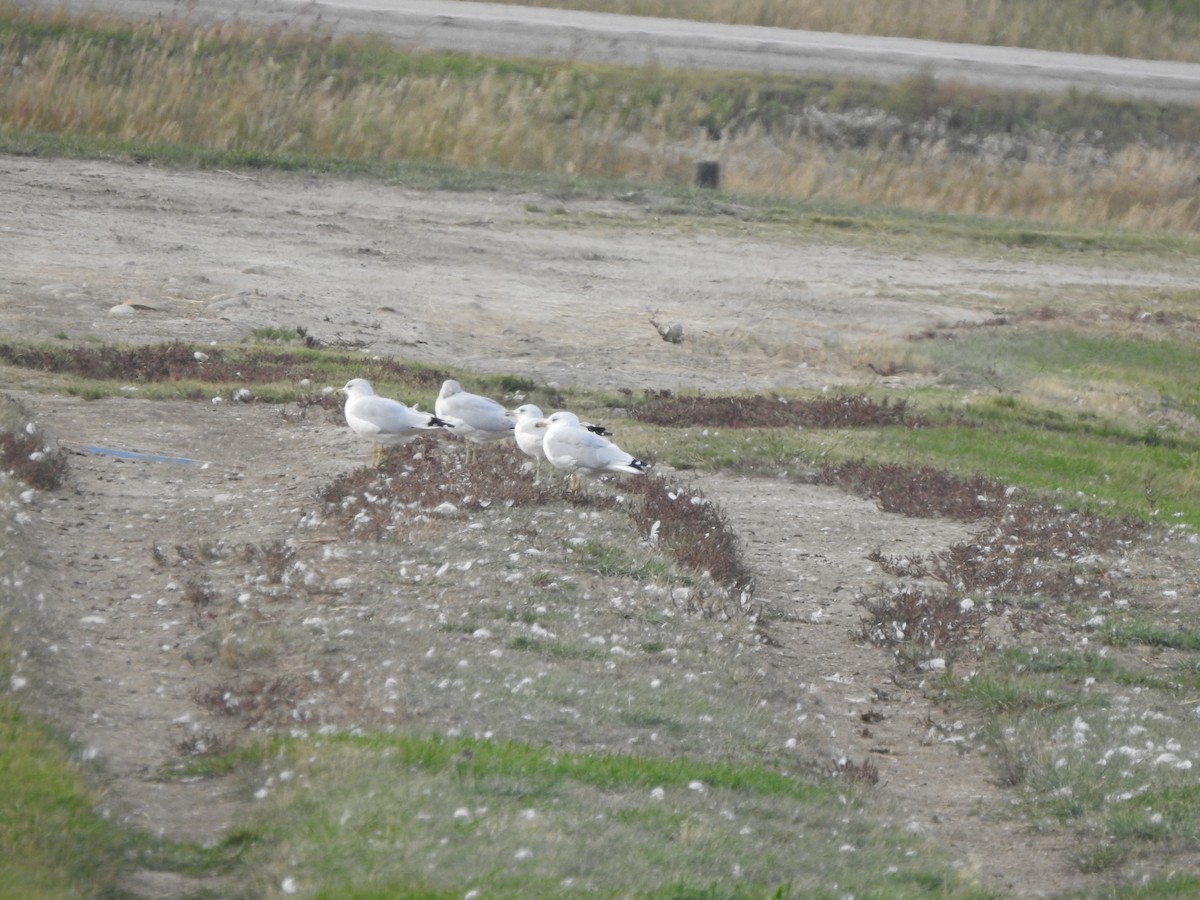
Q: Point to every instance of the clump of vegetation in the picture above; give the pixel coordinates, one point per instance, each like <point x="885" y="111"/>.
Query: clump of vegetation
<point x="924" y="622"/>
<point x="425" y="474"/>
<point x="1028" y="549"/>
<point x="24" y="456"/>
<point x="272" y="334"/>
<point x="150" y="363"/>
<point x="276" y="558"/>
<point x="260" y="701"/>
<point x="695" y="530"/>
<point x="199" y="594"/>
<point x="846" y="411"/>
<point x="1027" y="552"/>
<point x="865" y="772"/>
<point x="918" y="491"/>
<point x="180" y="362"/>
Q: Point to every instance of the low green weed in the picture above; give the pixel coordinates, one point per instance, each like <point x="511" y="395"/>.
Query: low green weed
<point x="407" y="813"/>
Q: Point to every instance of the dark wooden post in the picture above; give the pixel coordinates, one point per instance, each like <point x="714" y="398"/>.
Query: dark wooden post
<point x="708" y="174"/>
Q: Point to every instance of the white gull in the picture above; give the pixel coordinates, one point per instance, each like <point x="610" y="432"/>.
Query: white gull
<point x="381" y="420"/>
<point x="571" y="447"/>
<point x="475" y="419"/>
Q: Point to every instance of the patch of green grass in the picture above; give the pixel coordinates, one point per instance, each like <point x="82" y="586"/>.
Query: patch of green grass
<point x="611" y="559"/>
<point x="1077" y="469"/>
<point x="416" y="816"/>
<point x="1167" y="814"/>
<point x="52" y="844"/>
<point x="1155" y="369"/>
<point x="1090" y="744"/>
<point x="1131" y="630"/>
<point x="1081" y="462"/>
<point x="1077" y="666"/>
<point x="1009" y="694"/>
<point x="1176" y="884"/>
<point x="556" y="649"/>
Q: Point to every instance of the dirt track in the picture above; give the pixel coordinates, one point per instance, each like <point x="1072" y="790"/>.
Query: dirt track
<point x="487" y="280"/>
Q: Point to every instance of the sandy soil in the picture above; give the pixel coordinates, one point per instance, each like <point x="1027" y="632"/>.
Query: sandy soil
<point x="480" y="280"/>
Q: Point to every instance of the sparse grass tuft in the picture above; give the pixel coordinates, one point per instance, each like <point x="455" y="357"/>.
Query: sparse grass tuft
<point x="865" y="772"/>
<point x="199" y="594"/>
<point x="276" y="559"/>
<point x="261" y="702"/>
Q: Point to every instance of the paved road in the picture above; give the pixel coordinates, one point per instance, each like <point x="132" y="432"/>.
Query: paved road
<point x="528" y="31"/>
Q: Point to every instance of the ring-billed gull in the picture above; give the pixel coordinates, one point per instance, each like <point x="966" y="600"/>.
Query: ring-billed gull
<point x="531" y="430"/>
<point x="569" y="446"/>
<point x="476" y="419"/>
<point x="383" y="421"/>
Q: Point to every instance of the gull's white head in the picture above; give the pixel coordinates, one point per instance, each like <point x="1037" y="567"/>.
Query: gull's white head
<point x="562" y="417"/>
<point x="528" y="411"/>
<point x="450" y="387"/>
<point x="358" y="387"/>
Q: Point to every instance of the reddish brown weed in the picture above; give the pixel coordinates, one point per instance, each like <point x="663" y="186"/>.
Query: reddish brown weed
<point x="26" y="459"/>
<point x="843" y="411"/>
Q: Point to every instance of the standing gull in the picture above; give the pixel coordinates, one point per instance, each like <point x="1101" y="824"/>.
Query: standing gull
<point x="570" y="446"/>
<point x="383" y="421"/>
<point x="476" y="419"/>
<point x="531" y="430"/>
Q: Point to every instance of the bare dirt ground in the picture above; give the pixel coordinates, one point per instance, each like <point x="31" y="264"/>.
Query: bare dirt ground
<point x="480" y="280"/>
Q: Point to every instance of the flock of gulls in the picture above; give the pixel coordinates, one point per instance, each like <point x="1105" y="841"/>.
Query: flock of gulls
<point x="560" y="439"/>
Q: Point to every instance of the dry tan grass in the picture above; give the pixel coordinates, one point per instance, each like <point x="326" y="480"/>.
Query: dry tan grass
<point x="1138" y="187"/>
<point x="233" y="90"/>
